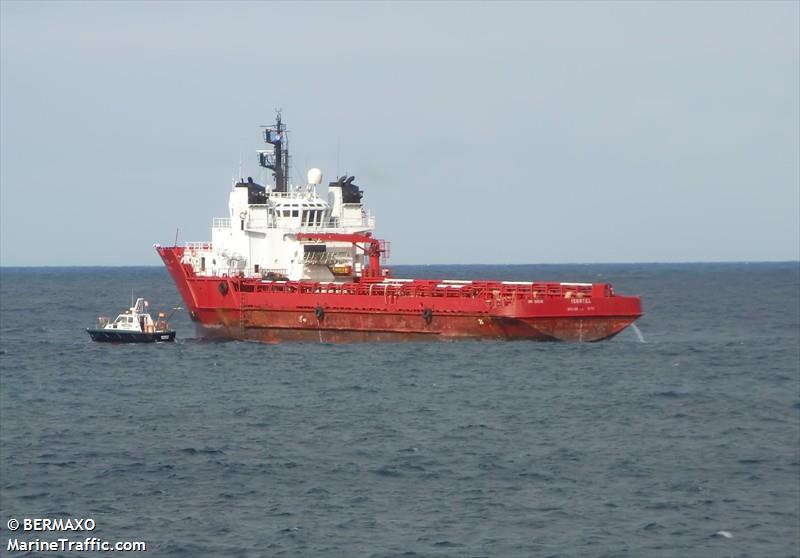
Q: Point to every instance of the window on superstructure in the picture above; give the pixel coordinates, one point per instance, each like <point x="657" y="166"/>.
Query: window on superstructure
<point x="295" y="213"/>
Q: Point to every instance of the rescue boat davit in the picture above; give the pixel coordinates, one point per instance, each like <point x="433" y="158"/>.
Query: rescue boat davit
<point x="287" y="264"/>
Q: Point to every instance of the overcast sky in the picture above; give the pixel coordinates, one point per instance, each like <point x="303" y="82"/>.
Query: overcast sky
<point x="480" y="132"/>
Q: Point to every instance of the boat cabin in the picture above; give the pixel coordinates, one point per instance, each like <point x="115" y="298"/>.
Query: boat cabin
<point x="136" y="318"/>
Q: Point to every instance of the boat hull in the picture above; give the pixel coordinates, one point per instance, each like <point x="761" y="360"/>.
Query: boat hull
<point x="119" y="336"/>
<point x="273" y="327"/>
<point x="276" y="311"/>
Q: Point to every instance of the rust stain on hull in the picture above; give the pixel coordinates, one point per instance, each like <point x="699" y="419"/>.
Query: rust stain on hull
<point x="285" y="326"/>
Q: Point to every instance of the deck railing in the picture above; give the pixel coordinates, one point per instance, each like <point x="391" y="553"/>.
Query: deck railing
<point x="489" y="290"/>
<point x="367" y="221"/>
<point x="199" y="246"/>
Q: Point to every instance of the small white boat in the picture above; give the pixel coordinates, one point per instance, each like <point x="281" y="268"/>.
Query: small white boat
<point x="133" y="326"/>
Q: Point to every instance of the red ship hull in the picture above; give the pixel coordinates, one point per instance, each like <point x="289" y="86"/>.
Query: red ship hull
<point x="398" y="310"/>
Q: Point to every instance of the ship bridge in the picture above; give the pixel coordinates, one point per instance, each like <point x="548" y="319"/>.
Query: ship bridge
<point x="259" y="236"/>
<point x="303" y="212"/>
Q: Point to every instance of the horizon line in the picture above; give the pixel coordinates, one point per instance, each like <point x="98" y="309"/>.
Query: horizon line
<point x="675" y="262"/>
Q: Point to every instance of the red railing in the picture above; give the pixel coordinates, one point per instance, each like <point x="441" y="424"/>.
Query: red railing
<point x="429" y="288"/>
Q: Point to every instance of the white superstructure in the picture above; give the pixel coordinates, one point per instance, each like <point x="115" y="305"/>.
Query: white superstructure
<point x="135" y="319"/>
<point x="258" y="236"/>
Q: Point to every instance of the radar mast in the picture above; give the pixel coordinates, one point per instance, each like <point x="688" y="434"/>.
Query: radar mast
<point x="278" y="160"/>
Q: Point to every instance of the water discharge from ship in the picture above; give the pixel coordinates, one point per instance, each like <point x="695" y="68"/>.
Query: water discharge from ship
<point x="635" y="328"/>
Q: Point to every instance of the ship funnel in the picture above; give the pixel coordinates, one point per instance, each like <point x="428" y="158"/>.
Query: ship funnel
<point x="314" y="176"/>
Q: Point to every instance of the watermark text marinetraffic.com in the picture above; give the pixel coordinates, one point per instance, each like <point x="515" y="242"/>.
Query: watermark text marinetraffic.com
<point x="32" y="536"/>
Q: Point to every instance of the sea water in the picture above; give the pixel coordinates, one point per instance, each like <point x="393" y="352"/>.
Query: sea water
<point x="686" y="445"/>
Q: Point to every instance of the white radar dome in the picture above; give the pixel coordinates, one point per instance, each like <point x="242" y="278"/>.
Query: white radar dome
<point x="315" y="176"/>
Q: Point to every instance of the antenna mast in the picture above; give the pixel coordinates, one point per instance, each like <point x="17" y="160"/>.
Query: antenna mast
<point x="278" y="160"/>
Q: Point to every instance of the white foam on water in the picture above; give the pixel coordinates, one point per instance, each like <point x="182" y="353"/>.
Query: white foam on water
<point x="635" y="328"/>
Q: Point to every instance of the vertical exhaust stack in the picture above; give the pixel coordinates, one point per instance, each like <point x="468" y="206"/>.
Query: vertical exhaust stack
<point x="335" y="197"/>
<point x="344" y="197"/>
